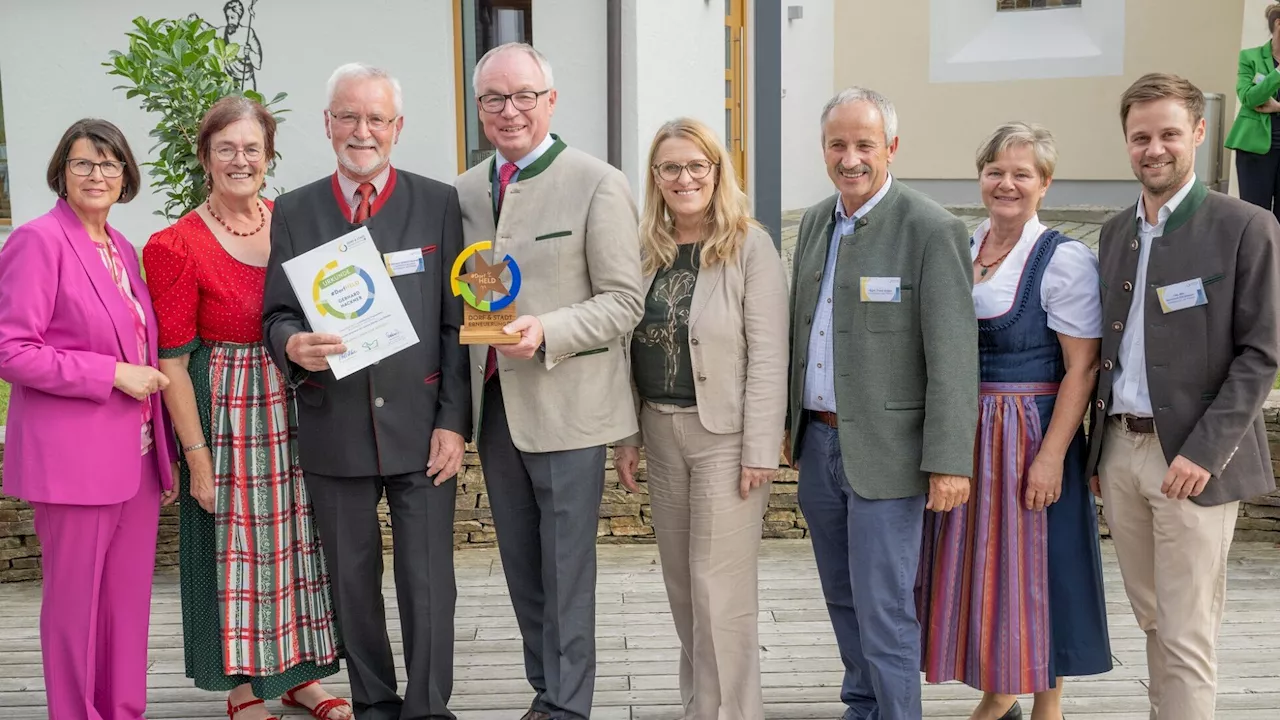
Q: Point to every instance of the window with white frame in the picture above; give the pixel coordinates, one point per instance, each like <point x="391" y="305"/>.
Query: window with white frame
<point x="978" y="41"/>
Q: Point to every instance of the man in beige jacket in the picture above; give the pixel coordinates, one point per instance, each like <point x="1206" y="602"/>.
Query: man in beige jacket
<point x="546" y="407"/>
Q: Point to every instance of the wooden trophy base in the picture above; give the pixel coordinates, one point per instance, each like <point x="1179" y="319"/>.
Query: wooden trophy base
<point x="485" y="328"/>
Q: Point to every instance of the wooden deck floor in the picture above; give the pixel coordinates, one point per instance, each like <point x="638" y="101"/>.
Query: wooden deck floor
<point x="638" y="648"/>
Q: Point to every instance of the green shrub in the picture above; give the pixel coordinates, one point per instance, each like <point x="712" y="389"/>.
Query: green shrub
<point x="178" y="69"/>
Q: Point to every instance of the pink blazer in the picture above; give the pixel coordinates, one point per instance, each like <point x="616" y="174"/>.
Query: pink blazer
<point x="72" y="438"/>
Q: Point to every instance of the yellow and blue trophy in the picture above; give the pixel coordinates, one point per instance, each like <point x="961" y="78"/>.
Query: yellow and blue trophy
<point x="483" y="318"/>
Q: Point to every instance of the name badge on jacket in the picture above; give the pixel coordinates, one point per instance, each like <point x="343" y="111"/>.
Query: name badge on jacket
<point x="1257" y="79"/>
<point x="1183" y="295"/>
<point x="407" y="262"/>
<point x="881" y="289"/>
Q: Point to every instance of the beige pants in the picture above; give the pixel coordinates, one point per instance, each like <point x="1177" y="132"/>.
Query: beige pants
<point x="1173" y="557"/>
<point x="709" y="542"/>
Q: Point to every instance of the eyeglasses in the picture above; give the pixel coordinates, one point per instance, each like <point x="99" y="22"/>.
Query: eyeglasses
<point x="227" y="154"/>
<point x="523" y="100"/>
<point x="670" y="171"/>
<point x="375" y="123"/>
<point x="84" y="168"/>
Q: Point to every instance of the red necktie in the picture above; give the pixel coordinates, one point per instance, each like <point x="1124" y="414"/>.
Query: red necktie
<point x="505" y="173"/>
<point x="365" y="191"/>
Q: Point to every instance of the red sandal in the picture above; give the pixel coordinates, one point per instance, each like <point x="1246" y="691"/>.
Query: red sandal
<point x="233" y="709"/>
<point x="322" y="709"/>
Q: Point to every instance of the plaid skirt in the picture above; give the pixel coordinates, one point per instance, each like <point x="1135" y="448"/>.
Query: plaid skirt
<point x="273" y="588"/>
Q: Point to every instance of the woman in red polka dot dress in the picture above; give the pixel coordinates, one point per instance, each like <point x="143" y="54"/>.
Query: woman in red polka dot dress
<point x="257" y="614"/>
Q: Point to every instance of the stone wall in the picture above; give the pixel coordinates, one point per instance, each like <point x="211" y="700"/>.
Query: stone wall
<point x="624" y="517"/>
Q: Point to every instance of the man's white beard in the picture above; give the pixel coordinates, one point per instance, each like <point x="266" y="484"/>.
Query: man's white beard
<point x="355" y="169"/>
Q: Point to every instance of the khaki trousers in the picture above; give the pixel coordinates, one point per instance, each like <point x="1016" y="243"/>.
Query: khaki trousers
<point x="1173" y="557"/>
<point x="709" y="542"/>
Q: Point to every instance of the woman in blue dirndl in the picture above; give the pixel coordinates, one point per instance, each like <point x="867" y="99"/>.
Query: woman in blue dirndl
<point x="1011" y="599"/>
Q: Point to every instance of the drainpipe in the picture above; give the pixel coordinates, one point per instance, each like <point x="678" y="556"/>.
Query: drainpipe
<point x="613" y="73"/>
<point x="767" y="150"/>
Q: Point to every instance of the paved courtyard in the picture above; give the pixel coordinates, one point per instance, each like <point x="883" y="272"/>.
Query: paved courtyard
<point x="638" y="649"/>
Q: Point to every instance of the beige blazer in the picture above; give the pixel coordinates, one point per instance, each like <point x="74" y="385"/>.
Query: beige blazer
<point x="570" y="224"/>
<point x="738" y="348"/>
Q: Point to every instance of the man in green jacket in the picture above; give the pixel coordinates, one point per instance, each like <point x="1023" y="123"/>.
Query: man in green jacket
<point x="883" y="395"/>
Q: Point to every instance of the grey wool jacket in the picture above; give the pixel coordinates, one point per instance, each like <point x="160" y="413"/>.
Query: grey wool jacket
<point x="1210" y="367"/>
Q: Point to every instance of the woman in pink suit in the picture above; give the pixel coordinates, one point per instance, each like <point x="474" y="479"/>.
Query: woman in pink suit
<point x="88" y="441"/>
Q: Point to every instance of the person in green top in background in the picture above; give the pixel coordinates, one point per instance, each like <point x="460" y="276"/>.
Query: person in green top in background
<point x="1255" y="136"/>
<point x="709" y="361"/>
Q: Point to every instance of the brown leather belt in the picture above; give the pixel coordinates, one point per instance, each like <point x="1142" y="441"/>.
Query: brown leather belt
<point x="1140" y="425"/>
<point x="824" y="417"/>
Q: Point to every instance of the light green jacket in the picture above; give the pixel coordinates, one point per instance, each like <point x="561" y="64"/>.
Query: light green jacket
<point x="1256" y="81"/>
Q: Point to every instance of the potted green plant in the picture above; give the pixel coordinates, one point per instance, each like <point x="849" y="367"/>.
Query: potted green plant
<point x="179" y="69"/>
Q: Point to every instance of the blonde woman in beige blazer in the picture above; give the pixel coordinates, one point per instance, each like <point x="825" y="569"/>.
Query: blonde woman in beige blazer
<point x="709" y="365"/>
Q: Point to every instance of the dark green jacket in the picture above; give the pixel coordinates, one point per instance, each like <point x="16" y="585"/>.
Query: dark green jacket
<point x="906" y="372"/>
<point x="1257" y="79"/>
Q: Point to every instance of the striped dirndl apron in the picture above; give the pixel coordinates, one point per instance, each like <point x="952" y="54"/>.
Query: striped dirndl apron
<point x="984" y="567"/>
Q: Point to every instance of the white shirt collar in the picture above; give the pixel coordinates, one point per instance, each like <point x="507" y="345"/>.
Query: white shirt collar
<point x="867" y="206"/>
<point x="1168" y="208"/>
<point x="529" y="159"/>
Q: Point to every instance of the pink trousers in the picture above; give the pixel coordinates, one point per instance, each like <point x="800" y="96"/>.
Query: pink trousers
<point x="98" y="561"/>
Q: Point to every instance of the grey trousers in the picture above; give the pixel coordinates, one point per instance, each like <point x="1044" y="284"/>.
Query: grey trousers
<point x="346" y="511"/>
<point x="545" y="510"/>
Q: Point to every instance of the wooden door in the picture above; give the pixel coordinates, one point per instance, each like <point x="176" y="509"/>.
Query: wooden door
<point x="735" y="85"/>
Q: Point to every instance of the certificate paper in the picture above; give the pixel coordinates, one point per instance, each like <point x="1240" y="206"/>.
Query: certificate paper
<point x="344" y="289"/>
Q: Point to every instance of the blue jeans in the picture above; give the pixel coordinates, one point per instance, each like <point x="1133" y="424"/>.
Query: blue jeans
<point x="868" y="553"/>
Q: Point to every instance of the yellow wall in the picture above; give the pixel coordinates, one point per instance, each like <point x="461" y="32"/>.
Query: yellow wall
<point x="942" y="124"/>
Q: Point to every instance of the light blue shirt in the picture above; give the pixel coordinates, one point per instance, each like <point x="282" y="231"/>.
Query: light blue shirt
<point x="819" y="376"/>
<point x="522" y="163"/>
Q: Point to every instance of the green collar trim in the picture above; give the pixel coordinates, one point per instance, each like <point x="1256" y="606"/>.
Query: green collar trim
<point x="1192" y="202"/>
<point x="542" y="163"/>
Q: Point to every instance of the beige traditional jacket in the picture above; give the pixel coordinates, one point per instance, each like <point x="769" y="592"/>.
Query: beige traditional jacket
<point x="570" y="224"/>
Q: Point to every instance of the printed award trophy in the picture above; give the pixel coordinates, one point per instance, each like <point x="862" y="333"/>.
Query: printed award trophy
<point x="482" y="318"/>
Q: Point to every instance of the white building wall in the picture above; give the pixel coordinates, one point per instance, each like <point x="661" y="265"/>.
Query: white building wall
<point x="571" y="33"/>
<point x="808" y="82"/>
<point x="673" y="65"/>
<point x="51" y="55"/>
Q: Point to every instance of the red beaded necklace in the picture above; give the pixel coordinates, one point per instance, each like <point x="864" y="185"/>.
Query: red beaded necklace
<point x="986" y="267"/>
<point x="262" y="220"/>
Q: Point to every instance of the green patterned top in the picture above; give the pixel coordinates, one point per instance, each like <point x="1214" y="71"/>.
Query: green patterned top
<point x="660" y="345"/>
